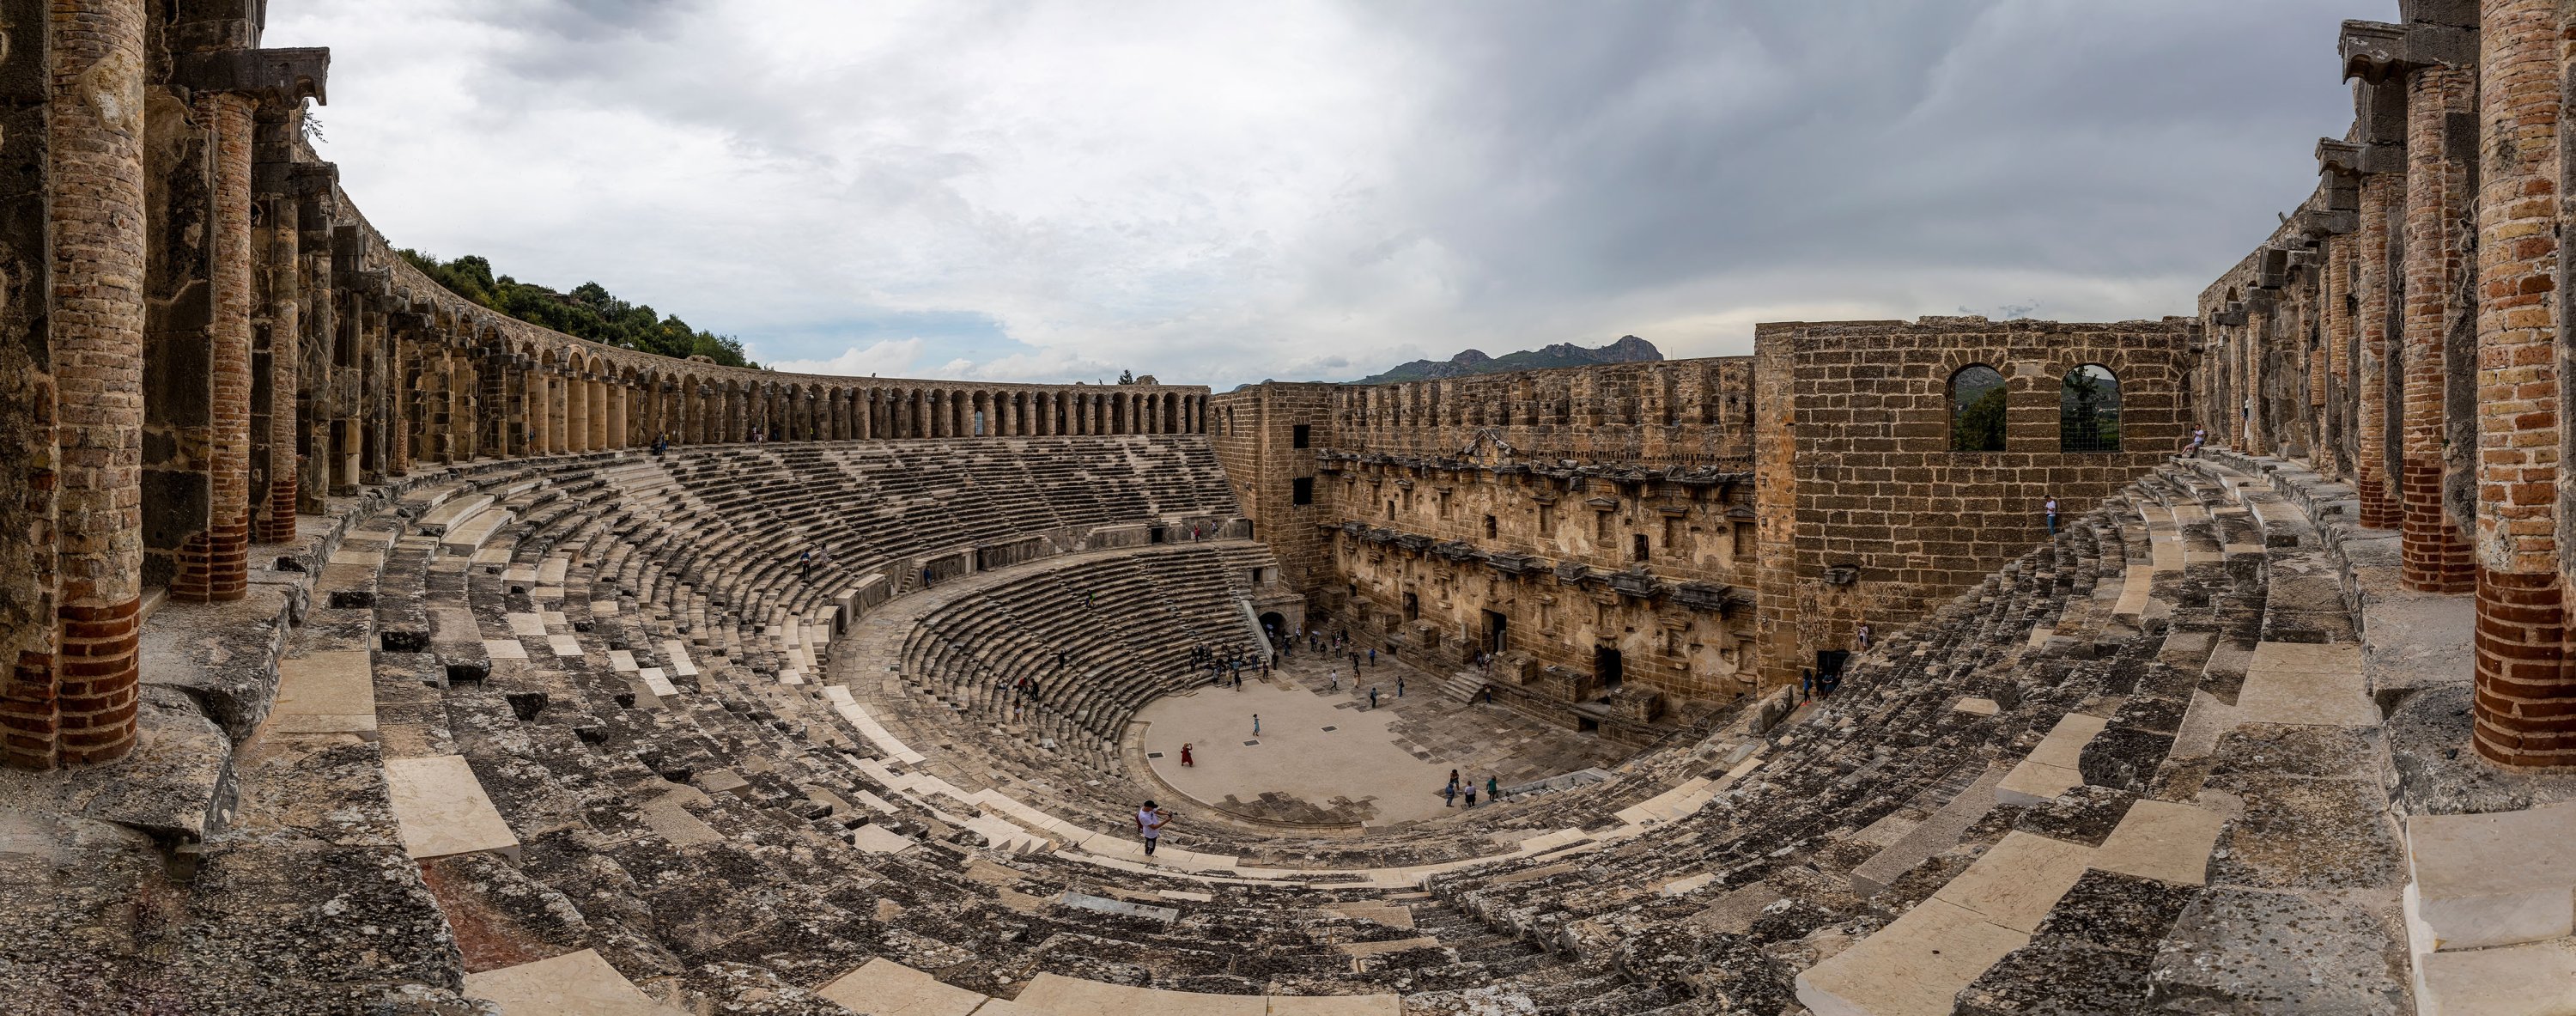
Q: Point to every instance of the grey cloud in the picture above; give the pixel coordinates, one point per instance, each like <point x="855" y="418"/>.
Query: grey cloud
<point x="1144" y="184"/>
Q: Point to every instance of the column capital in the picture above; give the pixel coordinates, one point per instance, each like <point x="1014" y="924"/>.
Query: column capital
<point x="2316" y="223"/>
<point x="271" y="76"/>
<point x="2377" y="50"/>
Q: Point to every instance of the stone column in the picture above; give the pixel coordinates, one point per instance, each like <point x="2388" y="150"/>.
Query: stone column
<point x="216" y="565"/>
<point x="30" y="458"/>
<point x="283" y="272"/>
<point x="2339" y="339"/>
<point x="2439" y="106"/>
<point x="576" y="411"/>
<point x="546" y="416"/>
<point x="2380" y="197"/>
<point x="618" y="393"/>
<point x="78" y="705"/>
<point x="2526" y="702"/>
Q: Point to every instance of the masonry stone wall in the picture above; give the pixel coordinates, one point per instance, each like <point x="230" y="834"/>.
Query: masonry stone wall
<point x="1867" y="515"/>
<point x="1589" y="528"/>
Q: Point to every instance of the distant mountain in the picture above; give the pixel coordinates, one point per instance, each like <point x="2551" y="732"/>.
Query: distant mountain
<point x="1629" y="349"/>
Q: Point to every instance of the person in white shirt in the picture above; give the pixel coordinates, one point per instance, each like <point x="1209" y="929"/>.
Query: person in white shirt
<point x="2051" y="508"/>
<point x="1149" y="822"/>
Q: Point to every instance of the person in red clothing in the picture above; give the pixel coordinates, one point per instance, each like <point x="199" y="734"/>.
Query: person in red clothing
<point x="1185" y="756"/>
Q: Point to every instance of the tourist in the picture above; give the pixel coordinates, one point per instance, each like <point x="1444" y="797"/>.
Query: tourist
<point x="1471" y="793"/>
<point x="925" y="578"/>
<point x="1399" y="686"/>
<point x="1862" y="635"/>
<point x="1336" y="677"/>
<point x="1489" y="694"/>
<point x="805" y="567"/>
<point x="1372" y="696"/>
<point x="1372" y="656"/>
<point x="1149" y="822"/>
<point x="1493" y="790"/>
<point x="1450" y="792"/>
<point x="1185" y="755"/>
<point x="2051" y="509"/>
<point x="1256" y="724"/>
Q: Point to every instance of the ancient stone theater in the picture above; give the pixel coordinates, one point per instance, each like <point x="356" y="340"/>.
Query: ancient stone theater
<point x="373" y="652"/>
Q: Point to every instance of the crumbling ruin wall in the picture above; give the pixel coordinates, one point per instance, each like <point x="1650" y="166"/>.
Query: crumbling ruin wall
<point x="1588" y="528"/>
<point x="1867" y="512"/>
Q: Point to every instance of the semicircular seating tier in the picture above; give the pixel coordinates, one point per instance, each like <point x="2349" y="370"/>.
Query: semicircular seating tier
<point x="655" y="695"/>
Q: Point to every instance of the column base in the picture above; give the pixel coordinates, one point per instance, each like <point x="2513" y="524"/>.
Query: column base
<point x="2525" y="710"/>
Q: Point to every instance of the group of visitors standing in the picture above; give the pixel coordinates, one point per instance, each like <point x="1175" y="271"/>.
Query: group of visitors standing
<point x="1467" y="786"/>
<point x="1226" y="664"/>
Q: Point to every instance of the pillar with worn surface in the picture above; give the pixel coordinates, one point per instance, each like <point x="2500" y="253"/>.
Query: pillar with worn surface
<point x="30" y="473"/>
<point x="621" y="394"/>
<point x="215" y="564"/>
<point x="2439" y="100"/>
<point x="88" y="698"/>
<point x="2526" y="703"/>
<point x="2380" y="193"/>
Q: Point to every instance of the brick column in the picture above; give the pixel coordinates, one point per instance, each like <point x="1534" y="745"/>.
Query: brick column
<point x="80" y="706"/>
<point x="2380" y="194"/>
<point x="2436" y="558"/>
<point x="2526" y="702"/>
<point x="2337" y="293"/>
<point x="214" y="564"/>
<point x="30" y="463"/>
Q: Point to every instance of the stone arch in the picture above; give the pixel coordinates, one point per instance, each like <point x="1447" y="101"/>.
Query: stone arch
<point x="1977" y="394"/>
<point x="2088" y="415"/>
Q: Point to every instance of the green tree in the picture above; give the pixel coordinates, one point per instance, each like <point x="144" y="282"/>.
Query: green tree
<point x="590" y="311"/>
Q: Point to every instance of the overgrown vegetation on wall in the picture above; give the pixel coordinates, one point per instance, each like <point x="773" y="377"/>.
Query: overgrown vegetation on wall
<point x="590" y="311"/>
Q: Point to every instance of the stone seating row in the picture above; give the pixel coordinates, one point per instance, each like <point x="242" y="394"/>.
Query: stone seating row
<point x="1097" y="640"/>
<point x="2483" y="863"/>
<point x="514" y="582"/>
<point x="1721" y="902"/>
<point x="1594" y="938"/>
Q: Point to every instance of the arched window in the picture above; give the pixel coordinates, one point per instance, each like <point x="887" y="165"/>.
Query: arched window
<point x="2088" y="410"/>
<point x="1976" y="409"/>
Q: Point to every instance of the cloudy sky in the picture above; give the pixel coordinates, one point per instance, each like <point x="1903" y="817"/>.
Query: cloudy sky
<point x="1220" y="193"/>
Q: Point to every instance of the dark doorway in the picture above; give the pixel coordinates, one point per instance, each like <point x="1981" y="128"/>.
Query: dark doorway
<point x="1637" y="545"/>
<point x="1154" y="534"/>
<point x="1412" y="607"/>
<point x="1606" y="666"/>
<point x="1275" y="626"/>
<point x="1829" y="668"/>
<point x="1495" y="626"/>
